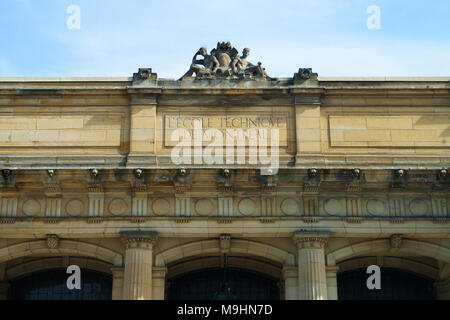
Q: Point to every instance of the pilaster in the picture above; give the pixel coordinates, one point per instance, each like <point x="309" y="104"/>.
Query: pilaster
<point x="143" y="134"/>
<point x="159" y="283"/>
<point x="290" y="277"/>
<point x="118" y="281"/>
<point x="307" y="119"/>
<point x="332" y="290"/>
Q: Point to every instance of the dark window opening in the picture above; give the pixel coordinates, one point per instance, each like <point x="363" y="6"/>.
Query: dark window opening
<point x="52" y="285"/>
<point x="205" y="284"/>
<point x="395" y="285"/>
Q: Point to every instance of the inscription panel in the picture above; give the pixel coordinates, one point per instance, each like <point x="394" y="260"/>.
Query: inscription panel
<point x="228" y="121"/>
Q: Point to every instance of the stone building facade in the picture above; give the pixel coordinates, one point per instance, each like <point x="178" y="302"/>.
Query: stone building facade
<point x="88" y="179"/>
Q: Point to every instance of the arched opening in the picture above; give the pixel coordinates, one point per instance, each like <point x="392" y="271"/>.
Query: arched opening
<point x="51" y="285"/>
<point x="396" y="284"/>
<point x="205" y="284"/>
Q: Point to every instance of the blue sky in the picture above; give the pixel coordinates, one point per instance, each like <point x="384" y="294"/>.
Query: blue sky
<point x="118" y="37"/>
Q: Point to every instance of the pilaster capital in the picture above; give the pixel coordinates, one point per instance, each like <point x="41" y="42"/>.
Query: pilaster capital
<point x="332" y="271"/>
<point x="310" y="240"/>
<point x="289" y="272"/>
<point x="443" y="285"/>
<point x="159" y="272"/>
<point x="139" y="239"/>
<point x="117" y="272"/>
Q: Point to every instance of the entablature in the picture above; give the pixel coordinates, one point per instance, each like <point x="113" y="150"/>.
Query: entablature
<point x="307" y="195"/>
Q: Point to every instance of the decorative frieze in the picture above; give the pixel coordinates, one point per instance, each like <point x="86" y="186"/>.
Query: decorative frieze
<point x="182" y="220"/>
<point x="225" y="206"/>
<point x="396" y="207"/>
<point x="224" y="220"/>
<point x="353" y="206"/>
<point x="96" y="200"/>
<point x="8" y="207"/>
<point x="139" y="205"/>
<point x="182" y="206"/>
<point x="53" y="207"/>
<point x="439" y="205"/>
<point x="310" y="206"/>
<point x="268" y="206"/>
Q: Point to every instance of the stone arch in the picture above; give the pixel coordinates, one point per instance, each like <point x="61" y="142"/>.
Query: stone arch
<point x="212" y="247"/>
<point x="210" y="262"/>
<point x="65" y="248"/>
<point x="401" y="263"/>
<point x="47" y="263"/>
<point x="422" y="248"/>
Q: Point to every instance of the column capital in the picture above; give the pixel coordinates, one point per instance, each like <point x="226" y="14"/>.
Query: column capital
<point x="139" y="239"/>
<point x="312" y="240"/>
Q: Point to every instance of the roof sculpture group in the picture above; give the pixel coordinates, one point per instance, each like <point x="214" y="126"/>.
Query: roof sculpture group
<point x="224" y="62"/>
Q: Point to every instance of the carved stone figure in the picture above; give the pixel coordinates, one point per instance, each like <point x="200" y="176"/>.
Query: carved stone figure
<point x="243" y="67"/>
<point x="224" y="63"/>
<point x="206" y="66"/>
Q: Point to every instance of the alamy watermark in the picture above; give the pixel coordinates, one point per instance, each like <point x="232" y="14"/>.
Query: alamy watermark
<point x="252" y="146"/>
<point x="74" y="280"/>
<point x="74" y="19"/>
<point x="374" y="20"/>
<point x="374" y="281"/>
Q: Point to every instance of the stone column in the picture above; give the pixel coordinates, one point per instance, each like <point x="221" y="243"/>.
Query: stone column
<point x="159" y="283"/>
<point x="290" y="276"/>
<point x="138" y="264"/>
<point x="312" y="282"/>
<point x="117" y="287"/>
<point x="332" y="291"/>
